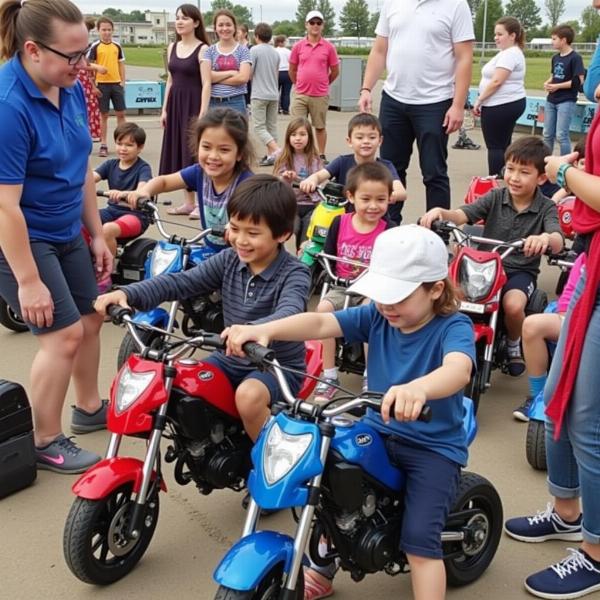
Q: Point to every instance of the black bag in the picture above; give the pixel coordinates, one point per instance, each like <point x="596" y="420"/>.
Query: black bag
<point x="17" y="451"/>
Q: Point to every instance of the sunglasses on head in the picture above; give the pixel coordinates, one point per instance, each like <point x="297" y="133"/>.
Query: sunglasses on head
<point x="315" y="22"/>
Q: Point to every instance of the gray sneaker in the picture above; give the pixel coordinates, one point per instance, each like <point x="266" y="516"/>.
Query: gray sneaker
<point x="84" y="422"/>
<point x="63" y="455"/>
<point x="326" y="389"/>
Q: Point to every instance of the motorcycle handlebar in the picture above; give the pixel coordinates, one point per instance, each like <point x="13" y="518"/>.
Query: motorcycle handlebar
<point x="257" y="353"/>
<point x="117" y="313"/>
<point x="141" y="203"/>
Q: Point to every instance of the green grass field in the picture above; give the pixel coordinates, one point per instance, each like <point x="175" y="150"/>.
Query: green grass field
<point x="538" y="68"/>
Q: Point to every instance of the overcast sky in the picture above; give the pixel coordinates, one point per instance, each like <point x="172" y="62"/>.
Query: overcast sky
<point x="272" y="10"/>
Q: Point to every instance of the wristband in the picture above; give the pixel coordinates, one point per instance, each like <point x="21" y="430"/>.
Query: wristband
<point x="364" y="89"/>
<point x="561" y="175"/>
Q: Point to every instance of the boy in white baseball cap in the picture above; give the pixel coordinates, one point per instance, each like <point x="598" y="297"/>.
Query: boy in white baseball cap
<point x="420" y="350"/>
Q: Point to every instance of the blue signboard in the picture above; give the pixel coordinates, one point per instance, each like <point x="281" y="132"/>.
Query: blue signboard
<point x="534" y="112"/>
<point x="143" y="94"/>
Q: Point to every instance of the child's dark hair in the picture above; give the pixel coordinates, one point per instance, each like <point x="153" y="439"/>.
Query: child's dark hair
<point x="580" y="147"/>
<point x="448" y="302"/>
<point x="364" y="120"/>
<point x="133" y="130"/>
<point x="279" y="41"/>
<point x="104" y="20"/>
<point x="265" y="197"/>
<point x="90" y="23"/>
<point x="225" y="13"/>
<point x="286" y="159"/>
<point x="263" y="32"/>
<point x="369" y="171"/>
<point x="236" y="126"/>
<point x="192" y="12"/>
<point x="513" y="25"/>
<point x="32" y="20"/>
<point x="528" y="150"/>
<point x="565" y="32"/>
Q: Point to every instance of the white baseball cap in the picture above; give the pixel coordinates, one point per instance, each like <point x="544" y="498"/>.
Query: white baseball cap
<point x="314" y="14"/>
<point x="403" y="258"/>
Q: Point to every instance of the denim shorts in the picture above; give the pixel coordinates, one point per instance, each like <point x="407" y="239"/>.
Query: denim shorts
<point x="237" y="372"/>
<point x="431" y="484"/>
<point x="574" y="459"/>
<point x="67" y="271"/>
<point x="237" y="102"/>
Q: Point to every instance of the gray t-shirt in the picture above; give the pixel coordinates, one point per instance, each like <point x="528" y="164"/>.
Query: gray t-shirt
<point x="265" y="72"/>
<point x="503" y="222"/>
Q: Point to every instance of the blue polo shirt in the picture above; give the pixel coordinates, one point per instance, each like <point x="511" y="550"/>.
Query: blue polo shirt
<point x="45" y="149"/>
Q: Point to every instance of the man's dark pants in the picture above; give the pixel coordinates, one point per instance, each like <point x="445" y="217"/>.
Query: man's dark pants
<point x="403" y="124"/>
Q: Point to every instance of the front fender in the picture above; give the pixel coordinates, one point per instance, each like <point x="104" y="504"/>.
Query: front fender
<point x="109" y="474"/>
<point x="158" y="317"/>
<point x="251" y="558"/>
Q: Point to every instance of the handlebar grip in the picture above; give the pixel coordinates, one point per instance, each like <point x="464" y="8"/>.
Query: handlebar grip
<point x="102" y="193"/>
<point x="116" y="313"/>
<point x="217" y="232"/>
<point x="425" y="415"/>
<point x="214" y="340"/>
<point x="258" y="353"/>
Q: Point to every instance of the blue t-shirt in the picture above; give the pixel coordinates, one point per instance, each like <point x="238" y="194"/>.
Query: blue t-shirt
<point x="338" y="168"/>
<point x="125" y="180"/>
<point x="396" y="358"/>
<point x="45" y="149"/>
<point x="213" y="206"/>
<point x="566" y="68"/>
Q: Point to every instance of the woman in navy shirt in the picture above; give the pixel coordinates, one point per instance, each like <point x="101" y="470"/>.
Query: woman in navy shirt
<point x="46" y="191"/>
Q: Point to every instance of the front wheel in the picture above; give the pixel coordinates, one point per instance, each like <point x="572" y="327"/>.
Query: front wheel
<point x="535" y="447"/>
<point x="96" y="546"/>
<point x="478" y="500"/>
<point x="10" y="319"/>
<point x="128" y="346"/>
<point x="268" y="589"/>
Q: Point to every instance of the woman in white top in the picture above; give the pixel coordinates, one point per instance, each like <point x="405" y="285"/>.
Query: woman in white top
<point x="501" y="99"/>
<point x="285" y="83"/>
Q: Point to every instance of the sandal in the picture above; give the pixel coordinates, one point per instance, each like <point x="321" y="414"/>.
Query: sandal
<point x="195" y="215"/>
<point x="314" y="588"/>
<point x="182" y="210"/>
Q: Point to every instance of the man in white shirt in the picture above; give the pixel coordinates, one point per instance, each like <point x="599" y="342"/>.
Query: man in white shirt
<point x="427" y="48"/>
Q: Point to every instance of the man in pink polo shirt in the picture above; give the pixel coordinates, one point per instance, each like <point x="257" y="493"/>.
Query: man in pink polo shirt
<point x="314" y="64"/>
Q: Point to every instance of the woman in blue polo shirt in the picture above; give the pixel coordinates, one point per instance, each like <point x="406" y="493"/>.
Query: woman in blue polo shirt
<point x="46" y="191"/>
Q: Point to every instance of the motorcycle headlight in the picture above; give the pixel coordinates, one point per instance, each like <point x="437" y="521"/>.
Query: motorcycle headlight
<point x="282" y="451"/>
<point x="162" y="259"/>
<point x="131" y="386"/>
<point x="476" y="279"/>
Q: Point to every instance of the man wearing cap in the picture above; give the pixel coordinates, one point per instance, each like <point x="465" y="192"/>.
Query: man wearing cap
<point x="314" y="65"/>
<point x="427" y="48"/>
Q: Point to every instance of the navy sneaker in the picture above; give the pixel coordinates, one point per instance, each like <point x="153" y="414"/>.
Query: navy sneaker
<point x="545" y="525"/>
<point x="521" y="413"/>
<point x="572" y="577"/>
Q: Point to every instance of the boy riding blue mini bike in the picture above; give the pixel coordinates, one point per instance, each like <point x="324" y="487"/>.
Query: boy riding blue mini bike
<point x="386" y="492"/>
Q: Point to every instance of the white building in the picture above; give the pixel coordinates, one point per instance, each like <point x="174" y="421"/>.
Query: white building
<point x="156" y="29"/>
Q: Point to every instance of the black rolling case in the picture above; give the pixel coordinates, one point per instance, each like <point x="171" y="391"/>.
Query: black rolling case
<point x="17" y="451"/>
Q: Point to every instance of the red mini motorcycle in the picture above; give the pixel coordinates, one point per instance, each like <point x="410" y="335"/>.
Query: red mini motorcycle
<point x="480" y="277"/>
<point x="162" y="392"/>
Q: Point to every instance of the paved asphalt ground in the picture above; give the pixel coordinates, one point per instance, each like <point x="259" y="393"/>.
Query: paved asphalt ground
<point x="194" y="531"/>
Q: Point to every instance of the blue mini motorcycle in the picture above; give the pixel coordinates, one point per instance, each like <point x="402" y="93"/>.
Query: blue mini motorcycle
<point x="335" y="474"/>
<point x="174" y="254"/>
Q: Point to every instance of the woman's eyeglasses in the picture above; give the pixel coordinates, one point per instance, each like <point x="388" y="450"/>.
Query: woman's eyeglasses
<point x="72" y="59"/>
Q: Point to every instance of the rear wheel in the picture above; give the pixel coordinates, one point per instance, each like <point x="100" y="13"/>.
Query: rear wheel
<point x="268" y="589"/>
<point x="535" y="447"/>
<point x="477" y="498"/>
<point x="10" y="319"/>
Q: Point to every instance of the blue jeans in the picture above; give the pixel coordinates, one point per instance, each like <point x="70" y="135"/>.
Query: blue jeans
<point x="402" y="124"/>
<point x="557" y="122"/>
<point x="574" y="459"/>
<point x="237" y="102"/>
